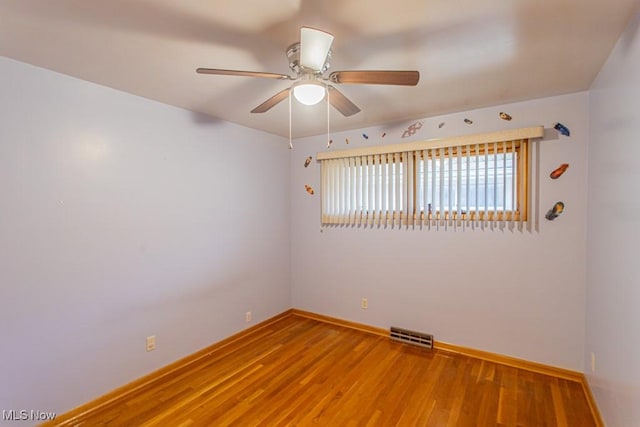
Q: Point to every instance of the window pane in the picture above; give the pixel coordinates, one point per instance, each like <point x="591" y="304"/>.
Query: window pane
<point x="499" y="173"/>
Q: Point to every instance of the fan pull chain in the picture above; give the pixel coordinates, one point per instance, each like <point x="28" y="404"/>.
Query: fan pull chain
<point x="328" y="118"/>
<point x="290" y="144"/>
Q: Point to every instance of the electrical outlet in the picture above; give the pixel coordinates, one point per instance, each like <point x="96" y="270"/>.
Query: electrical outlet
<point x="364" y="304"/>
<point x="247" y="316"/>
<point x="151" y="343"/>
<point x="593" y="362"/>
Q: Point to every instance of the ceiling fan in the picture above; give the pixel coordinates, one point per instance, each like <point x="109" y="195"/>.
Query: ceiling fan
<point x="309" y="60"/>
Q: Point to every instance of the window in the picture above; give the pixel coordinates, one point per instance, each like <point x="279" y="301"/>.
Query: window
<point x="472" y="178"/>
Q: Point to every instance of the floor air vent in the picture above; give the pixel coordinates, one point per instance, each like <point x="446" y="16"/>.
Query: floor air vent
<point x="411" y="337"/>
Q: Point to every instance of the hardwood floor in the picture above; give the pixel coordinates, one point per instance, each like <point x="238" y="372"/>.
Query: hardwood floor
<point x="299" y="371"/>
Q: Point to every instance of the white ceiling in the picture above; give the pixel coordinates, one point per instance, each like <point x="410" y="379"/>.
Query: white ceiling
<point x="469" y="53"/>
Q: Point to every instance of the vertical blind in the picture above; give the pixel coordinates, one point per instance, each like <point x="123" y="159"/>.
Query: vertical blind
<point x="427" y="185"/>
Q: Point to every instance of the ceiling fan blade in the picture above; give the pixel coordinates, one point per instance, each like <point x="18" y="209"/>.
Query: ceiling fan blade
<point x="272" y="102"/>
<point x="402" y="78"/>
<point x="242" y="73"/>
<point x="314" y="47"/>
<point x="341" y="102"/>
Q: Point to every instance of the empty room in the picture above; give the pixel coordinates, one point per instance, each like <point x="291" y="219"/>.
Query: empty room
<point x="333" y="213"/>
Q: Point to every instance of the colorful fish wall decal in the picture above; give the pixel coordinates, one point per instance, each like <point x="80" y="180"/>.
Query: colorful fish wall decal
<point x="412" y="129"/>
<point x="468" y="121"/>
<point x="555" y="211"/>
<point x="308" y="161"/>
<point x="562" y="129"/>
<point x="505" y="116"/>
<point x="309" y="189"/>
<point x="557" y="173"/>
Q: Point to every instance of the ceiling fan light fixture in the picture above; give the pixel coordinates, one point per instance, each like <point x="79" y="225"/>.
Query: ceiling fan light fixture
<point x="309" y="93"/>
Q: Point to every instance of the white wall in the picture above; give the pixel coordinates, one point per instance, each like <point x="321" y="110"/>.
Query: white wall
<point x="512" y="293"/>
<point x="121" y="218"/>
<point x="613" y="274"/>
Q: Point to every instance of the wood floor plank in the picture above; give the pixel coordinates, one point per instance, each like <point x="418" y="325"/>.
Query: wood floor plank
<point x="301" y="371"/>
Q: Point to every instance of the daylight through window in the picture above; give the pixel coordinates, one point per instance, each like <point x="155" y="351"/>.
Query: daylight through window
<point x="472" y="178"/>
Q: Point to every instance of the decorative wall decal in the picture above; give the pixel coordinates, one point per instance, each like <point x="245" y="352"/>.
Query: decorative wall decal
<point x="308" y="161"/>
<point x="329" y="143"/>
<point x="562" y="129"/>
<point x="346" y="140"/>
<point x="365" y="136"/>
<point x="469" y="122"/>
<point x="505" y="116"/>
<point x="383" y="134"/>
<point x="441" y="125"/>
<point x="309" y="189"/>
<point x="559" y="171"/>
<point x="555" y="211"/>
<point x="412" y="129"/>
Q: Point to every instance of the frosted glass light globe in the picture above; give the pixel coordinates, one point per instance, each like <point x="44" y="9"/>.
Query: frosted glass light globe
<point x="309" y="93"/>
